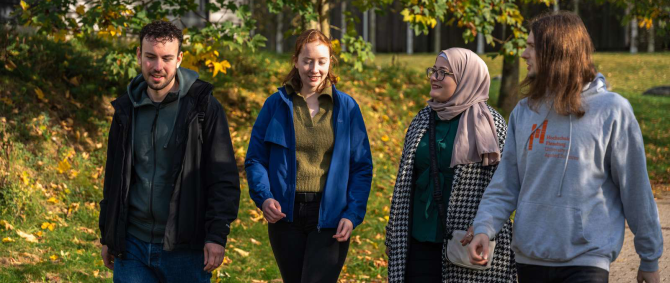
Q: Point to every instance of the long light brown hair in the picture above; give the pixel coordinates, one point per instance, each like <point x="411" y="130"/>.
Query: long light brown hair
<point x="308" y="36"/>
<point x="563" y="63"/>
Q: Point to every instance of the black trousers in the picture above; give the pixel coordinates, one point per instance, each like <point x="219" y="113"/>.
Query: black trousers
<point x="424" y="262"/>
<point x="303" y="254"/>
<point x="561" y="274"/>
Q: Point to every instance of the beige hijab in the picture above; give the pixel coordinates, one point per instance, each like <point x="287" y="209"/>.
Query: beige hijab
<point x="476" y="139"/>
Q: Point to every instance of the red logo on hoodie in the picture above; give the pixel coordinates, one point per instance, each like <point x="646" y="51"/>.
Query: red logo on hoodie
<point x="539" y="133"/>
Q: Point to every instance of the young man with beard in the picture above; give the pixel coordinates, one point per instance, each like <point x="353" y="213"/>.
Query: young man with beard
<point x="573" y="167"/>
<point x="171" y="182"/>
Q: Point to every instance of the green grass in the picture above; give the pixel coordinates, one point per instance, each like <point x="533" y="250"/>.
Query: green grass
<point x="37" y="136"/>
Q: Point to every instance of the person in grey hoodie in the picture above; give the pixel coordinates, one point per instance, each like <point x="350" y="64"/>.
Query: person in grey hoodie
<point x="171" y="181"/>
<point x="573" y="167"/>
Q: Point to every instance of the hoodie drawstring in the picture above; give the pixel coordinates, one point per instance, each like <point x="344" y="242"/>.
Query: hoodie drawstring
<point x="567" y="158"/>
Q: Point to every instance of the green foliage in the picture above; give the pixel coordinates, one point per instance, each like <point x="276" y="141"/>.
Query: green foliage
<point x="646" y="12"/>
<point x="476" y="16"/>
<point x="358" y="51"/>
<point x="114" y="19"/>
<point x="304" y="8"/>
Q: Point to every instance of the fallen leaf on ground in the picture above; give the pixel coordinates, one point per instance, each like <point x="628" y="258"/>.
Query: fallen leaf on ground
<point x="28" y="237"/>
<point x="241" y="252"/>
<point x="5" y="225"/>
<point x="86" y="230"/>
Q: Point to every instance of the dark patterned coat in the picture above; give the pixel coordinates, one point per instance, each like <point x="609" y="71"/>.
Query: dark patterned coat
<point x="469" y="184"/>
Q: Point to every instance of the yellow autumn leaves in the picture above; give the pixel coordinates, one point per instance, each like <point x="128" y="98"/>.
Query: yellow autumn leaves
<point x="207" y="55"/>
<point x="47" y="225"/>
<point x="65" y="168"/>
<point x="30" y="238"/>
<point x="417" y="18"/>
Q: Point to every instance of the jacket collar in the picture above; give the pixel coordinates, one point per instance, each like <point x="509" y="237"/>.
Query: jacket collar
<point x="286" y="94"/>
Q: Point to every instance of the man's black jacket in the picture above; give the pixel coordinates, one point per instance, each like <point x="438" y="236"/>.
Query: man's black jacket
<point x="206" y="192"/>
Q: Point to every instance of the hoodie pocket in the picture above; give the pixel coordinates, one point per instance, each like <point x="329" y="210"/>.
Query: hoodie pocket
<point x="549" y="233"/>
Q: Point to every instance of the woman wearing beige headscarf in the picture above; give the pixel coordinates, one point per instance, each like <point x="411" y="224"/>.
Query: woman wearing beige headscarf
<point x="468" y="140"/>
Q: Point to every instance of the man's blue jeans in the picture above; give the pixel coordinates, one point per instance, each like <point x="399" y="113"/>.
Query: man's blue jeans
<point x="145" y="262"/>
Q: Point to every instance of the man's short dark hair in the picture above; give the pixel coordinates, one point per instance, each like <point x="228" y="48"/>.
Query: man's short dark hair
<point x="162" y="32"/>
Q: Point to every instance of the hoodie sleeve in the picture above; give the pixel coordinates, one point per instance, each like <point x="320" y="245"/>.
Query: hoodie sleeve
<point x="629" y="174"/>
<point x="501" y="195"/>
<point x="360" y="169"/>
<point x="221" y="178"/>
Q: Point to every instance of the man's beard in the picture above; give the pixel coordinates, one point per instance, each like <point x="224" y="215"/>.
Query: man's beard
<point x="160" y="86"/>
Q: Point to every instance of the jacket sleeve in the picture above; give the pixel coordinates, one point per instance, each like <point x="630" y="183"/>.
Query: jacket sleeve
<point x="629" y="173"/>
<point x="112" y="139"/>
<point x="219" y="175"/>
<point x="360" y="169"/>
<point x="501" y="194"/>
<point x="258" y="155"/>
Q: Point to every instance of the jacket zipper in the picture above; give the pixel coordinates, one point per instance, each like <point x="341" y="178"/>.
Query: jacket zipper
<point x="153" y="176"/>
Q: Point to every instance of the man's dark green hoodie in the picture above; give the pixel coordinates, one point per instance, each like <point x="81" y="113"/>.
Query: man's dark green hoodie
<point x="152" y="180"/>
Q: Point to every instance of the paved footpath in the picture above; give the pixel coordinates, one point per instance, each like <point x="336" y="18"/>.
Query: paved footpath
<point x="624" y="269"/>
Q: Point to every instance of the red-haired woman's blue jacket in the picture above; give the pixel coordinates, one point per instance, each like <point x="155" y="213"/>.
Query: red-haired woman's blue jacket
<point x="271" y="161"/>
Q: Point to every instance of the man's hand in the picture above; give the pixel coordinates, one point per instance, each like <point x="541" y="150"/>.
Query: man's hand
<point x="343" y="230"/>
<point x="272" y="210"/>
<point x="648" y="277"/>
<point x="478" y="250"/>
<point x="213" y="256"/>
<point x="107" y="258"/>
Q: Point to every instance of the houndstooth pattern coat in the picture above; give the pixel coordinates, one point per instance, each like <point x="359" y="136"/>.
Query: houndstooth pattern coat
<point x="469" y="184"/>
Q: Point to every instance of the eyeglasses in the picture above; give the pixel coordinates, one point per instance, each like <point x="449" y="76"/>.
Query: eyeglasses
<point x="440" y="73"/>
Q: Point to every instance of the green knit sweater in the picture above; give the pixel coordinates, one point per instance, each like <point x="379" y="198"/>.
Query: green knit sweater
<point x="314" y="140"/>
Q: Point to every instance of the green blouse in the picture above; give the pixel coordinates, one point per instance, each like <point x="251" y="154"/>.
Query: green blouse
<point x="426" y="226"/>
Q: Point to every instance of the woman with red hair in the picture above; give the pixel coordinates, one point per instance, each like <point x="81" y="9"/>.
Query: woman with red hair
<point x="309" y="166"/>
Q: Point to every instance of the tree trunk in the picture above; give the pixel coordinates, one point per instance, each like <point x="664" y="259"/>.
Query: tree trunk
<point x="437" y="46"/>
<point x="650" y="39"/>
<point x="626" y="33"/>
<point x="373" y="30"/>
<point x="509" y="85"/>
<point x="556" y="7"/>
<point x="508" y="94"/>
<point x="251" y="12"/>
<point x="279" y="36"/>
<point x="480" y="43"/>
<point x="343" y="24"/>
<point x="410" y="39"/>
<point x="633" y="36"/>
<point x="575" y="6"/>
<point x="324" y="16"/>
<point x="366" y="20"/>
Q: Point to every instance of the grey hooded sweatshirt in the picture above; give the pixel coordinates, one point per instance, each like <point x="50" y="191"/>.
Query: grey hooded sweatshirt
<point x="573" y="182"/>
<point x="152" y="178"/>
